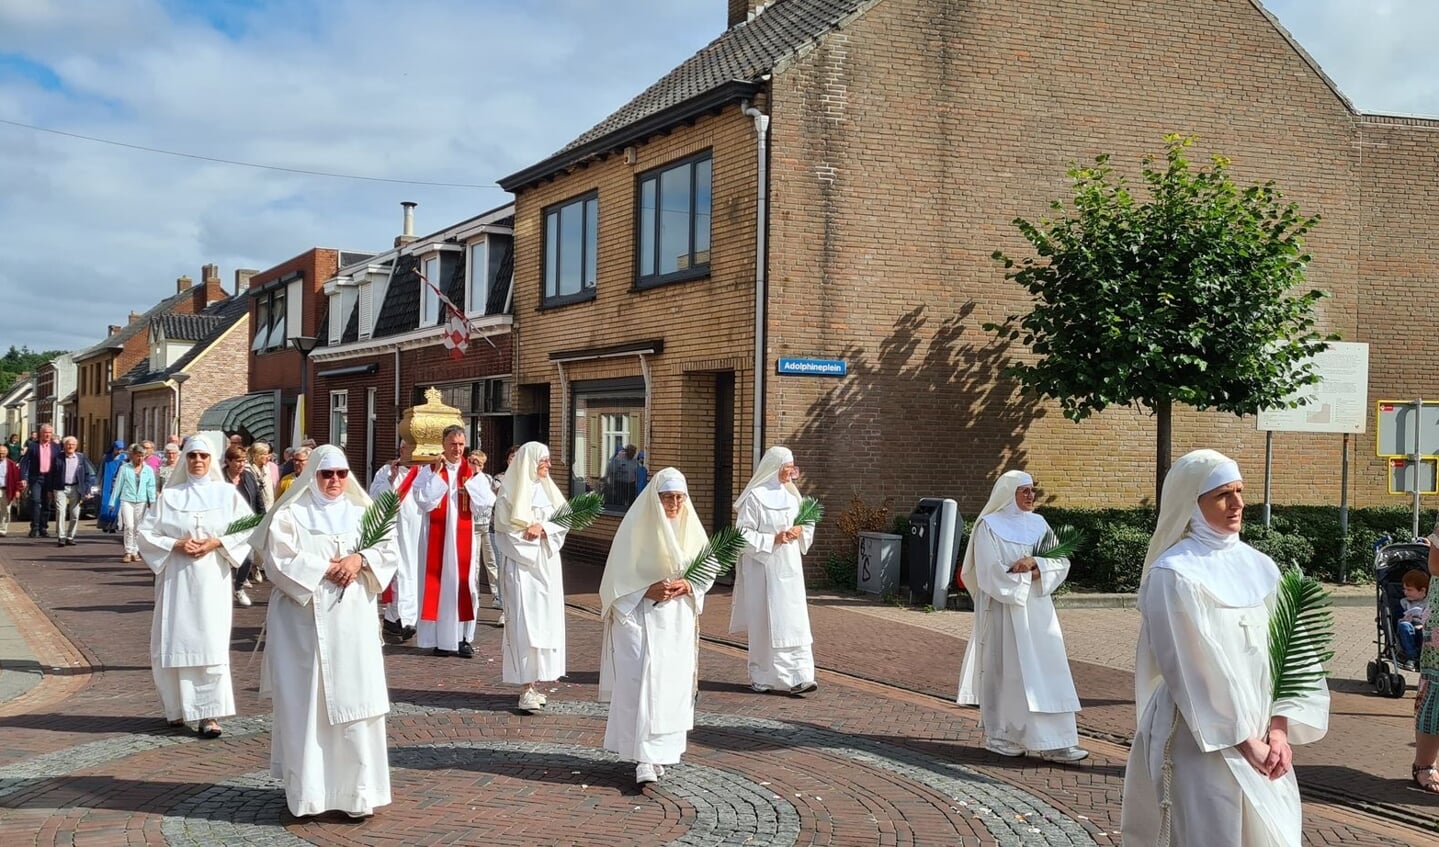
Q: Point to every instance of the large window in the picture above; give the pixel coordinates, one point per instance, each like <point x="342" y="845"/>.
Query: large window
<point x="674" y="222"/>
<point x="339" y="418"/>
<point x="270" y="313"/>
<point x="607" y="449"/>
<point x="429" y="299"/>
<point x="571" y="243"/>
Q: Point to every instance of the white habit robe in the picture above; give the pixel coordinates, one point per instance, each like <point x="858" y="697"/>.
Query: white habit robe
<point x="1015" y="666"/>
<point x="1202" y="686"/>
<point x="190" y="631"/>
<point x="647" y="672"/>
<point x="769" y="599"/>
<point x="411" y="532"/>
<point x="430" y="490"/>
<point x="324" y="668"/>
<point x="533" y="586"/>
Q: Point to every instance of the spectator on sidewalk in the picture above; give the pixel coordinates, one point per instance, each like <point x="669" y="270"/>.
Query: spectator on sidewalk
<point x="13" y="448"/>
<point x="73" y="481"/>
<point x="769" y="599"/>
<point x="151" y="457"/>
<point x="1211" y="761"/>
<point x="324" y="667"/>
<point x="132" y="495"/>
<point x="183" y="541"/>
<point x="297" y="467"/>
<point x="39" y="478"/>
<point x="168" y="462"/>
<point x="12" y="483"/>
<point x="651" y="619"/>
<point x="533" y="643"/>
<point x="1015" y="667"/>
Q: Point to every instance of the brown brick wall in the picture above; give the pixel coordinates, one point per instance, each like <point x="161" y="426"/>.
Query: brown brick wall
<point x="215" y="375"/>
<point x="281" y="368"/>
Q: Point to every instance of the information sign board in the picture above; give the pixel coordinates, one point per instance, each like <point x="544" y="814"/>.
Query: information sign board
<point x="1337" y="402"/>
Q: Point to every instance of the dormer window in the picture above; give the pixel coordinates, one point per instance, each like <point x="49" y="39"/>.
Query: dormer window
<point x="485" y="292"/>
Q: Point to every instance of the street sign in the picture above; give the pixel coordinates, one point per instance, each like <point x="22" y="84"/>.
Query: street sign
<point x="1401" y="476"/>
<point x="813" y="367"/>
<point x="1394" y="424"/>
<point x="1337" y="401"/>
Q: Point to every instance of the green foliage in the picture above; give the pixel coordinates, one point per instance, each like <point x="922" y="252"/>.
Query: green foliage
<point x="1060" y="543"/>
<point x="580" y="511"/>
<point x="1118" y="558"/>
<point x="1184" y="297"/>
<point x="378" y="521"/>
<point x="717" y="557"/>
<point x="842" y="572"/>
<point x="1287" y="549"/>
<point x="810" y="512"/>
<point x="1301" y="630"/>
<point x="244" y="524"/>
<point x="23" y="360"/>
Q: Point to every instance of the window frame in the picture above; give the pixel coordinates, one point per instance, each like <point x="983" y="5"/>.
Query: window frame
<point x="477" y="276"/>
<point x="630" y="390"/>
<point x="428" y="297"/>
<point x="585" y="293"/>
<point x="273" y="306"/>
<point x="340" y="410"/>
<point x="656" y="175"/>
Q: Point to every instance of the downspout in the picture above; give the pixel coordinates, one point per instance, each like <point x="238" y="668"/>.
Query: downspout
<point x="761" y="131"/>
<point x="565" y="417"/>
<point x="399" y="406"/>
<point x="649" y="414"/>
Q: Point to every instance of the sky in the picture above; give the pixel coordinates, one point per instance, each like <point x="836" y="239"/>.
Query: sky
<point x="451" y="91"/>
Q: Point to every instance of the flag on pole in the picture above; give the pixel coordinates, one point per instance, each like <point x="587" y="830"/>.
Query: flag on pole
<point x="457" y="326"/>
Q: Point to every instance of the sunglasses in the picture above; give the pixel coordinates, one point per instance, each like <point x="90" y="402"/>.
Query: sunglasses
<point x="336" y="473"/>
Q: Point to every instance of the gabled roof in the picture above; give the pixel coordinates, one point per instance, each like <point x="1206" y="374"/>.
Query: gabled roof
<point x="138" y="325"/>
<point x="187" y="327"/>
<point x="401" y="310"/>
<point x="221" y="315"/>
<point x="728" y="69"/>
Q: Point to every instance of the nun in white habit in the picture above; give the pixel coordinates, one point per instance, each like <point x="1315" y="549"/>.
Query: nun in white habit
<point x="769" y="598"/>
<point x="651" y="614"/>
<point x="1211" y="761"/>
<point x="533" y="644"/>
<point x="183" y="541"/>
<point x="1015" y="666"/>
<point x="324" y="666"/>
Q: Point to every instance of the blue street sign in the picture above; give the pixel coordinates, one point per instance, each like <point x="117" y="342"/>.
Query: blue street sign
<point x="812" y="367"/>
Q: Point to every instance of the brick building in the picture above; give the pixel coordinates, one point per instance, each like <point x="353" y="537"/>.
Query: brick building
<point x="382" y="341"/>
<point x="828" y="179"/>
<point x="54" y="384"/>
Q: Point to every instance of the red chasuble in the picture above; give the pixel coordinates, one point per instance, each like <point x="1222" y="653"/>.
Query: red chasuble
<point x="388" y="595"/>
<point x="435" y="554"/>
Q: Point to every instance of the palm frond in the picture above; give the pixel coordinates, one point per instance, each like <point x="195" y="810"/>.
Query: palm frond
<point x="244" y="524"/>
<point x="379" y="520"/>
<point x="580" y="512"/>
<point x="1060" y="543"/>
<point x="811" y="512"/>
<point x="717" y="557"/>
<point x="1301" y="631"/>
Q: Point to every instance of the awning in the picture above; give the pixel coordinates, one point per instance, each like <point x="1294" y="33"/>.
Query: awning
<point x="251" y="415"/>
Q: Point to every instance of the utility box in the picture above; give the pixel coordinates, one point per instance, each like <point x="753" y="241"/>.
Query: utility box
<point x="879" y="562"/>
<point x="931" y="550"/>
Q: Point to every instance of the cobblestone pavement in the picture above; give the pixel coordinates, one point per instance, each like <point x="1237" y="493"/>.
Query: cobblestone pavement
<point x="85" y="758"/>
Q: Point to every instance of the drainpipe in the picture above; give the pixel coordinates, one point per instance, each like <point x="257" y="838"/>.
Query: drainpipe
<point x="761" y="131"/>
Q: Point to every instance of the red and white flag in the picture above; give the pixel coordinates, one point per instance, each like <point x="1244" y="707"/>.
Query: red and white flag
<point x="457" y="326"/>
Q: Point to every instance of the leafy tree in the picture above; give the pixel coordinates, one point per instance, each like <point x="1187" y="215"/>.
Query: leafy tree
<point x="22" y="360"/>
<point x="1189" y="296"/>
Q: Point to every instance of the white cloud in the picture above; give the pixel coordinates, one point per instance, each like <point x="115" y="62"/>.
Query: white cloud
<point x="440" y="90"/>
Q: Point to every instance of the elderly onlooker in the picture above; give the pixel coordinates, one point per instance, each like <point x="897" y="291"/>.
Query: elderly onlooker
<point x="73" y="481"/>
<point x="11" y="484"/>
<point x="151" y="457"/>
<point x="287" y="466"/>
<point x="133" y="493"/>
<point x="168" y="462"/>
<point x="297" y="467"/>
<point x="38" y="472"/>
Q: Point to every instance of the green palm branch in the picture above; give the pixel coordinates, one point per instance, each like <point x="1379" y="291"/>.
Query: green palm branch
<point x="1301" y="630"/>
<point x="1060" y="543"/>
<point x="717" y="557"/>
<point x="378" y="521"/>
<point x="580" y="512"/>
<point x="810" y="512"/>
<point x="244" y="524"/>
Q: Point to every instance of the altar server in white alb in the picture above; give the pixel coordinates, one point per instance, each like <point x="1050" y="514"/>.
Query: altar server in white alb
<point x="769" y="597"/>
<point x="1015" y="667"/>
<point x="651" y="619"/>
<point x="324" y="667"/>
<point x="1211" y="761"/>
<point x="183" y="541"/>
<point x="533" y="580"/>
<point x="401" y="599"/>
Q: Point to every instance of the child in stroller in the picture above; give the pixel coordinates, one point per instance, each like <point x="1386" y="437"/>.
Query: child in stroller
<point x="1415" y="605"/>
<point x="1393" y="566"/>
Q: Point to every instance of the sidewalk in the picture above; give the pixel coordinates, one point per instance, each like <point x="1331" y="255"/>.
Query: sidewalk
<point x="86" y="760"/>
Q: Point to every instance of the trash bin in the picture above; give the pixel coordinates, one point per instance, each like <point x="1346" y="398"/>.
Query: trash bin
<point x="931" y="549"/>
<point x="879" y="562"/>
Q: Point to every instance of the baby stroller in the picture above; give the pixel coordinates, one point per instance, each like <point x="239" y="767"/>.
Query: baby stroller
<point x="1391" y="563"/>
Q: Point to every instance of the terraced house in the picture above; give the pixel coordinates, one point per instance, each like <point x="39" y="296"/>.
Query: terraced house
<point x="827" y="180"/>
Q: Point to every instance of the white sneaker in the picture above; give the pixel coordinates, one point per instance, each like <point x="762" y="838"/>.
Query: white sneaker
<point x="242" y="599"/>
<point x="495" y="602"/>
<point x="659" y="771"/>
<point x="756" y="687"/>
<point x="544" y="701"/>
<point x="1003" y="748"/>
<point x="531" y="701"/>
<point x="1065" y="754"/>
<point x="247" y="584"/>
<point x="645" y="772"/>
<point x="502" y="619"/>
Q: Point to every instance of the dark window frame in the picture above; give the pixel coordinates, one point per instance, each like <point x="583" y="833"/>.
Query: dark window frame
<point x="629" y="388"/>
<point x="585" y="294"/>
<point x="694" y="271"/>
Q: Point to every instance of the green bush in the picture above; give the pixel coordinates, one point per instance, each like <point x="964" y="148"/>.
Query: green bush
<point x="1285" y="548"/>
<point x="1115" y="559"/>
<point x="842" y="572"/>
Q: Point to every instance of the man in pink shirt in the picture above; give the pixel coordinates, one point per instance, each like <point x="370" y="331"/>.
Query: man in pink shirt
<point x="39" y="472"/>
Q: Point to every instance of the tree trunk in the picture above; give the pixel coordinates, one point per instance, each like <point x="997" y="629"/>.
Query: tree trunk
<point x="1162" y="447"/>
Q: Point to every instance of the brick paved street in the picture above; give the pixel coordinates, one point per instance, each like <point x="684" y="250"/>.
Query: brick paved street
<point x="877" y="756"/>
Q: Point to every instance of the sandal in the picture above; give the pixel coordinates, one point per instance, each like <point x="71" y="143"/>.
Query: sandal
<point x="1430" y="787"/>
<point x="209" y="729"/>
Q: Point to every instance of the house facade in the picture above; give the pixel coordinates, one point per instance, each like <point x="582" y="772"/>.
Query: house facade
<point x="197" y="362"/>
<point x="54" y="383"/>
<point x="827" y="181"/>
<point x="18" y="408"/>
<point x="382" y="340"/>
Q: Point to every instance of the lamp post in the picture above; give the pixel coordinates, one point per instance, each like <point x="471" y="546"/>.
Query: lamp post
<point x="305" y="344"/>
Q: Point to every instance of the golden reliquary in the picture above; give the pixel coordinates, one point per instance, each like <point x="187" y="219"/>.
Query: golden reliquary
<point x="424" y="426"/>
